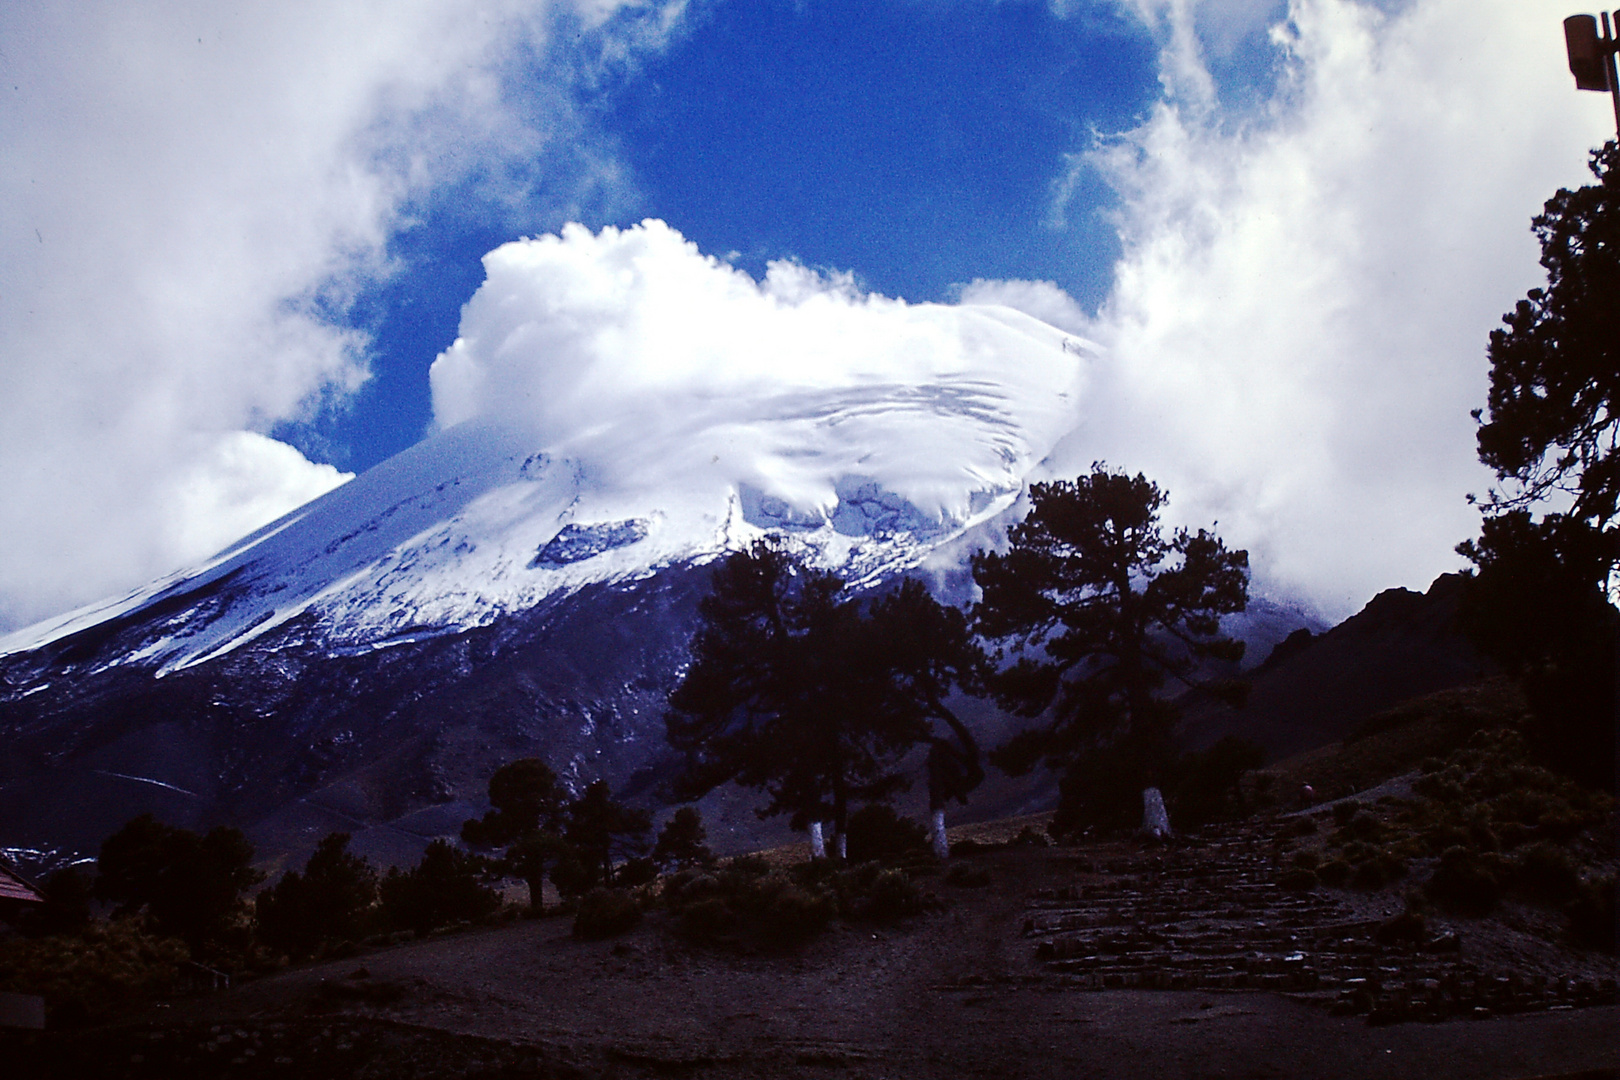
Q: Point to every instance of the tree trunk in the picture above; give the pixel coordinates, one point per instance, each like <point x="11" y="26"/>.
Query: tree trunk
<point x="942" y="845"/>
<point x="1155" y="820"/>
<point x="840" y="820"/>
<point x="537" y="896"/>
<point x="818" y="844"/>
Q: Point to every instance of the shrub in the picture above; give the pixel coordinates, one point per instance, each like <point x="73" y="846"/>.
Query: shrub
<point x="1362" y="825"/>
<point x="187" y="885"/>
<point x="1466" y="881"/>
<point x="967" y="877"/>
<point x="1030" y="836"/>
<point x="1592" y="915"/>
<point x="1304" y="825"/>
<point x="88" y="977"/>
<point x="1299" y="879"/>
<point x="1335" y="872"/>
<point x="709" y="917"/>
<point x="1306" y="860"/>
<point x="605" y="913"/>
<point x="1545" y="872"/>
<point x="794" y="914"/>
<point x="66" y="909"/>
<point x="1344" y="811"/>
<point x="877" y="832"/>
<point x="636" y="872"/>
<point x="891" y="897"/>
<point x="1205" y="786"/>
<point x="1378" y="869"/>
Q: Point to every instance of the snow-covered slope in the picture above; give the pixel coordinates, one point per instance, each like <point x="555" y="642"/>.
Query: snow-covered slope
<point x="487" y="518"/>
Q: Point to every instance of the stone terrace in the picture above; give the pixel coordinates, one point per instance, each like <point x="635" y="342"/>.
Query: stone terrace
<point x="1207" y="913"/>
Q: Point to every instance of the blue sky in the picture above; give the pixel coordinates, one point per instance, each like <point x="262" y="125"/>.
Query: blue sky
<point x="234" y="240"/>
<point x="918" y="145"/>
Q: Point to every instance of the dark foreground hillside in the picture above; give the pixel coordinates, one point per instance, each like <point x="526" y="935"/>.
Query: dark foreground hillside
<point x="1109" y="960"/>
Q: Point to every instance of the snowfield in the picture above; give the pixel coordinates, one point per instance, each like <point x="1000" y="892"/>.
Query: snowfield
<point x="495" y="514"/>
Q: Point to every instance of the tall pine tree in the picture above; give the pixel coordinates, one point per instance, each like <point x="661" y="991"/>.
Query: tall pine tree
<point x="1100" y="609"/>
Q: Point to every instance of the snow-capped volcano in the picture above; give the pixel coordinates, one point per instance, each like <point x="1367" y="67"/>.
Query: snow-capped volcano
<point x="488" y="517"/>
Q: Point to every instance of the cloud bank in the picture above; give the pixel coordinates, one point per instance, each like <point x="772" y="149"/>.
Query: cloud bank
<point x="1296" y="330"/>
<point x="673" y="378"/>
<point x="189" y="197"/>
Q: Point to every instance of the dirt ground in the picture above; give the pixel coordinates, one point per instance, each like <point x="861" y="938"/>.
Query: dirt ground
<point x="957" y="993"/>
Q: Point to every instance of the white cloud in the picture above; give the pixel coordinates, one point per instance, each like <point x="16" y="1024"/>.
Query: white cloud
<point x="677" y="379"/>
<point x="1298" y="323"/>
<point x="186" y="194"/>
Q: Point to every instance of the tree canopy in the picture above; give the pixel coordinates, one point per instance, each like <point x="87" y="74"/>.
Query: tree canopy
<point x="1542" y="599"/>
<point x="330" y="901"/>
<point x="1099" y="608"/>
<point x="187" y="885"/>
<point x="813" y="696"/>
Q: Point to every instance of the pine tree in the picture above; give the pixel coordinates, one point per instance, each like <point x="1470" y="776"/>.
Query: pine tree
<point x="1542" y="600"/>
<point x="526" y="817"/>
<point x="329" y="902"/>
<point x="796" y="690"/>
<point x="681" y="841"/>
<point x="1101" y="609"/>
<point x="604" y="831"/>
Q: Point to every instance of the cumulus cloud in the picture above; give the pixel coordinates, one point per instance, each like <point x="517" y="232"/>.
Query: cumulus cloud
<point x="675" y="378"/>
<point x="189" y="193"/>
<point x="1296" y="330"/>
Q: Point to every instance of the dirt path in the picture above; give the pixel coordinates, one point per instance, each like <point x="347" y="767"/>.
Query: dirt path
<point x="961" y="993"/>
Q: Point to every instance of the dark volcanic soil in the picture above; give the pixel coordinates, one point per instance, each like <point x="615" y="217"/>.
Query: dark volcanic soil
<point x="969" y="991"/>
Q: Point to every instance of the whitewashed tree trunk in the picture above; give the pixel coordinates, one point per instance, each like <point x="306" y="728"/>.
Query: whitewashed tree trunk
<point x="1155" y="819"/>
<point x="942" y="846"/>
<point x="818" y="845"/>
<point x="843" y="847"/>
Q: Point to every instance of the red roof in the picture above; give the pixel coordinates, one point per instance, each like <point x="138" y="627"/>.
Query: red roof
<point x="13" y="887"/>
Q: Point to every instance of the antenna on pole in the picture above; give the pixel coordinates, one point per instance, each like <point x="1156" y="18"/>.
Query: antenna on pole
<point x="1591" y="57"/>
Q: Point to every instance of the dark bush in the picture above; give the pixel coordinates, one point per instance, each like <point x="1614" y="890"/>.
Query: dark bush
<point x="1299" y="879"/>
<point x="877" y="832"/>
<point x="604" y="913"/>
<point x="1545" y="872"/>
<point x="1304" y="825"/>
<point x="1362" y="825"/>
<point x="1205" y="786"/>
<point x="94" y="974"/>
<point x="1030" y="836"/>
<point x="1409" y="927"/>
<point x="1344" y="811"/>
<point x="1592" y="915"/>
<point x="1466" y="881"/>
<point x="1377" y="869"/>
<point x="891" y="897"/>
<point x="709" y="917"/>
<point x="635" y="872"/>
<point x="1306" y="860"/>
<point x="1335" y="872"/>
<point x="1443" y="836"/>
<point x="186" y="885"/>
<point x="66" y="909"/>
<point x="794" y="914"/>
<point x="967" y="877"/>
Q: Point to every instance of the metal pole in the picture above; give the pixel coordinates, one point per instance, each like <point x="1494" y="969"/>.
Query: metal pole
<point x="1608" y="63"/>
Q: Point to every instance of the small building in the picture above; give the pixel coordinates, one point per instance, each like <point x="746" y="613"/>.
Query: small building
<point x="17" y="895"/>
